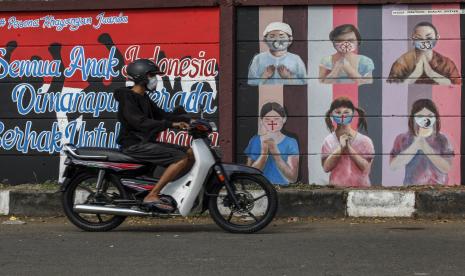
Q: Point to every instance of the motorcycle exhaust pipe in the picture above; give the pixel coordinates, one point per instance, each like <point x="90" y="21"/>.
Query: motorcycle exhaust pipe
<point x="93" y="209"/>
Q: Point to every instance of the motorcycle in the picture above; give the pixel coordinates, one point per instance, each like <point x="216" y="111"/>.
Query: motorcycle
<point x="102" y="187"/>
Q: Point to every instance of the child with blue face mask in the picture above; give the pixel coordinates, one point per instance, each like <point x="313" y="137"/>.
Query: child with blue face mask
<point x="347" y="155"/>
<point x="277" y="65"/>
<point x="422" y="64"/>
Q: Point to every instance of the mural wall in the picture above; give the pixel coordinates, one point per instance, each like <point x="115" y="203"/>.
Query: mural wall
<point x="351" y="95"/>
<point x="58" y="71"/>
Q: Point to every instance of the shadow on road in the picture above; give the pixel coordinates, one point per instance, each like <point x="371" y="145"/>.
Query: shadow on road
<point x="407" y="228"/>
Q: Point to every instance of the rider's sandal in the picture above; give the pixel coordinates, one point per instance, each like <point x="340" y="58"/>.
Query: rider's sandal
<point x="158" y="205"/>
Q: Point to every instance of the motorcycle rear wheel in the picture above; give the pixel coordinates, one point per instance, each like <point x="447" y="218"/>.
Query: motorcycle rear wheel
<point x="82" y="190"/>
<point x="258" y="202"/>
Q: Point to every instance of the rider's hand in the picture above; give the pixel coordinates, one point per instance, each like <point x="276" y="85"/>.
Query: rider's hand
<point x="181" y="125"/>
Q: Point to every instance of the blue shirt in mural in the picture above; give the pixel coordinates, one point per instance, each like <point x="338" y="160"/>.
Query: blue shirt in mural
<point x="288" y="146"/>
<point x="292" y="62"/>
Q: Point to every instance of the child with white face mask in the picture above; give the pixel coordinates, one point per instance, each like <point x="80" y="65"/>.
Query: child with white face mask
<point x="422" y="64"/>
<point x="424" y="151"/>
<point x="277" y="65"/>
<point x="346" y="66"/>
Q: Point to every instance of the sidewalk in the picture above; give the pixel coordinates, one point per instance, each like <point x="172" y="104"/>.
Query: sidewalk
<point x="421" y="202"/>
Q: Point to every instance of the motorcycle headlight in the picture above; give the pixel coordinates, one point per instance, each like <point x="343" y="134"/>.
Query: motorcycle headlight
<point x="214" y="127"/>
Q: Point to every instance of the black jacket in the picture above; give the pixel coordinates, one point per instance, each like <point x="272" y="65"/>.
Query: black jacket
<point x="141" y="119"/>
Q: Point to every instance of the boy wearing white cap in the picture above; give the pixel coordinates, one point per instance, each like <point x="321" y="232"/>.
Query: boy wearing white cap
<point x="277" y="66"/>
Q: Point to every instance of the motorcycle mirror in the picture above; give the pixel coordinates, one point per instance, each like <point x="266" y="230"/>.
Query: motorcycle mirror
<point x="201" y="106"/>
<point x="214" y="127"/>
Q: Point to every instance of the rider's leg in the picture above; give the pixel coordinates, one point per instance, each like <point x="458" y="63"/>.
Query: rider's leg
<point x="169" y="174"/>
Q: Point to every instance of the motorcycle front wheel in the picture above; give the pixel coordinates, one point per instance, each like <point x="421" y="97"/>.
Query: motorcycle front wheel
<point x="256" y="208"/>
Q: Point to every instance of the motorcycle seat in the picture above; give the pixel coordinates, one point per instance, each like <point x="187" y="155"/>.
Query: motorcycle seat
<point x="113" y="155"/>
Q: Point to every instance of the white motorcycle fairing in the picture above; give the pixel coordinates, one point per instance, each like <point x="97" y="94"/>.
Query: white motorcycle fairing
<point x="187" y="188"/>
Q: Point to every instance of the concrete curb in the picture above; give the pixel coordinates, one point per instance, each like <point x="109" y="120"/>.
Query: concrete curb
<point x="4" y="202"/>
<point x="35" y="203"/>
<point x="330" y="203"/>
<point x="316" y="203"/>
<point x="365" y="203"/>
<point x="438" y="204"/>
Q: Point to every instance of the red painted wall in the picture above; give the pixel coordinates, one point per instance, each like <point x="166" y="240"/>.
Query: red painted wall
<point x="184" y="42"/>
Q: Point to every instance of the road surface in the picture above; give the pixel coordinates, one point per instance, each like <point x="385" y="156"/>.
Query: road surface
<point x="51" y="246"/>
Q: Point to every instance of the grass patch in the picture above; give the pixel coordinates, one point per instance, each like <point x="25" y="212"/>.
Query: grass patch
<point x="47" y="185"/>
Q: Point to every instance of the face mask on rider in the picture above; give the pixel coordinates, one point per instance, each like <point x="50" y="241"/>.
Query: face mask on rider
<point x="345" y="46"/>
<point x="152" y="84"/>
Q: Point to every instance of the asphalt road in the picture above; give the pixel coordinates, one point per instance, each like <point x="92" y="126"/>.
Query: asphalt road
<point x="52" y="246"/>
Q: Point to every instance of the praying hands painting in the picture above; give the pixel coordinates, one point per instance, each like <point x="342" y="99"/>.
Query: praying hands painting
<point x="422" y="64"/>
<point x="424" y="151"/>
<point x="273" y="152"/>
<point x="346" y="65"/>
<point x="277" y="65"/>
<point x="379" y="100"/>
<point x="346" y="154"/>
